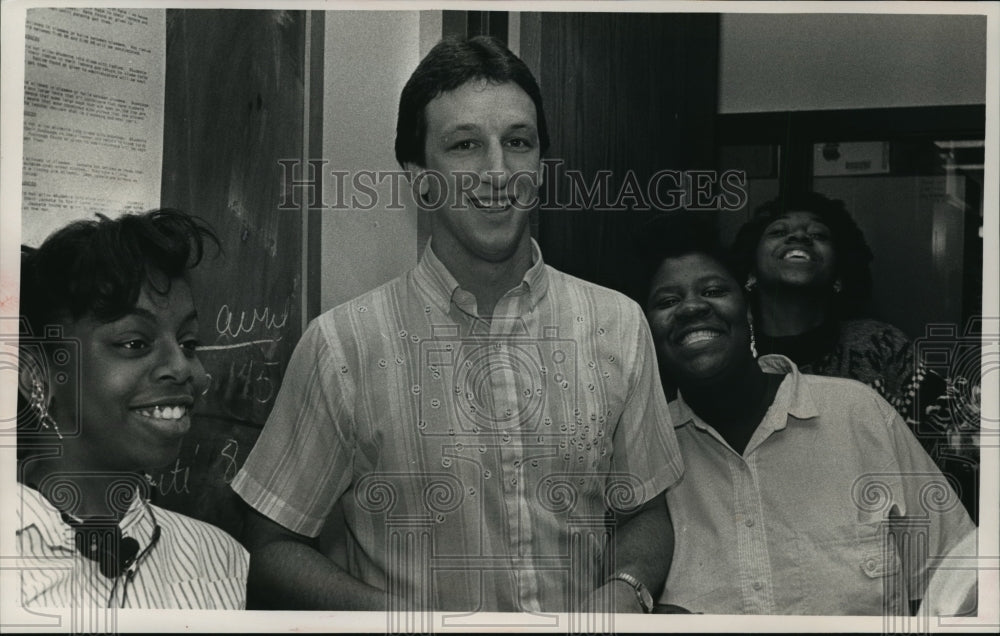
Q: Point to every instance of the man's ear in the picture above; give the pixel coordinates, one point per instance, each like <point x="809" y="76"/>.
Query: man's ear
<point x="416" y="172"/>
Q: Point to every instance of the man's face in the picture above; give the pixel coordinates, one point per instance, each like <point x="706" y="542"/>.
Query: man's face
<point x="482" y="143"/>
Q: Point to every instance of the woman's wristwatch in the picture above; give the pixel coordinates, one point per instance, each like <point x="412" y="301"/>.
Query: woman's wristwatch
<point x="641" y="591"/>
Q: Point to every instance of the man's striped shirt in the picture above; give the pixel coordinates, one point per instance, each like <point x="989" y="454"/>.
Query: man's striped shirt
<point x="475" y="460"/>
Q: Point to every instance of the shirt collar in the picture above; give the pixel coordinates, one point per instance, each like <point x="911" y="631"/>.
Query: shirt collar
<point x="442" y="288"/>
<point x="793" y="396"/>
<point x="792" y="399"/>
<point x="35" y="510"/>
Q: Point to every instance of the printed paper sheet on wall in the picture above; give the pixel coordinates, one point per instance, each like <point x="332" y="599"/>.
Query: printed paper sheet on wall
<point x="93" y="115"/>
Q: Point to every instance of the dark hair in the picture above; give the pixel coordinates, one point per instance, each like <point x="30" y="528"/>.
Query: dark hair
<point x="854" y="257"/>
<point x="450" y="64"/>
<point x="679" y="234"/>
<point x="99" y="267"/>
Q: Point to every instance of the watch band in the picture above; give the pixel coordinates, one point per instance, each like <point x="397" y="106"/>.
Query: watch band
<point x="641" y="591"/>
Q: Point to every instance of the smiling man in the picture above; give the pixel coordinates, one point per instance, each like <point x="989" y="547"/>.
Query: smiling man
<point x="493" y="429"/>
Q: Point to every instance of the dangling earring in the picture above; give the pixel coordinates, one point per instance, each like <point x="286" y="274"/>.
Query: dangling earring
<point x="38" y="403"/>
<point x="751" y="283"/>
<point x="753" y="342"/>
<point x="837" y="286"/>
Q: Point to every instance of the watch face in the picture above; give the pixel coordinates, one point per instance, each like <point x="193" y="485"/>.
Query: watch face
<point x="645" y="598"/>
<point x="641" y="592"/>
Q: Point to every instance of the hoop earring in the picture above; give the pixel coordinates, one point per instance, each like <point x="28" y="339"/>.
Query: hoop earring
<point x="751" y="283"/>
<point x="753" y="342"/>
<point x="38" y="404"/>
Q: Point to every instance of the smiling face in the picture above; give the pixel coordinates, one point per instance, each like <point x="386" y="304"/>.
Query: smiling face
<point x="699" y="320"/>
<point x="796" y="249"/>
<point x="139" y="377"/>
<point x="482" y="146"/>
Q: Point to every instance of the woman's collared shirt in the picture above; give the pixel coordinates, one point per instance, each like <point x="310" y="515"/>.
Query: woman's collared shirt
<point x="193" y="565"/>
<point x="799" y="523"/>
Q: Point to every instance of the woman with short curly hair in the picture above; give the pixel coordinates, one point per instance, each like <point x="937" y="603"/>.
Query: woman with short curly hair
<point x="108" y="378"/>
<point x="807" y="268"/>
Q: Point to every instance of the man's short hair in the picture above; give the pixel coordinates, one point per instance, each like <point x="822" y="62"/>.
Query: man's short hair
<point x="452" y="63"/>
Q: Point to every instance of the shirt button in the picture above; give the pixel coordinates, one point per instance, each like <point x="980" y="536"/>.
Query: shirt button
<point x="757" y="585"/>
<point x="749" y="522"/>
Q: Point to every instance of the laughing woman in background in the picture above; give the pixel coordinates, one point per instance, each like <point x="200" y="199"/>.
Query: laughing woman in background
<point x="792" y="482"/>
<point x="806" y="268"/>
<point x="108" y="378"/>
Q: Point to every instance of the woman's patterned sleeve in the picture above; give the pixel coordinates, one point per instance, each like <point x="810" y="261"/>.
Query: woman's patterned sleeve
<point x="943" y="413"/>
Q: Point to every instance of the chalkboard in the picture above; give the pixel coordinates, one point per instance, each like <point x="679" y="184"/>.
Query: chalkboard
<point x="233" y="108"/>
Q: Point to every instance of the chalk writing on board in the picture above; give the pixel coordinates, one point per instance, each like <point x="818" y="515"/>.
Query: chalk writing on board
<point x="167" y="482"/>
<point x="229" y="452"/>
<point x="177" y="479"/>
<point x="238" y="345"/>
<point x="244" y="362"/>
<point x="253" y="381"/>
<point x="225" y="326"/>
